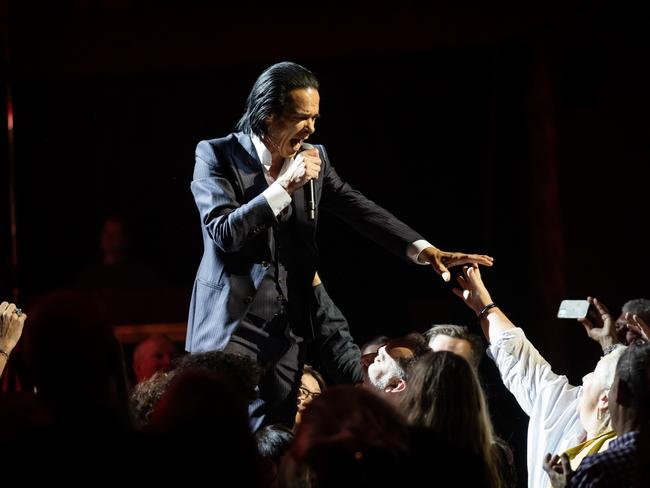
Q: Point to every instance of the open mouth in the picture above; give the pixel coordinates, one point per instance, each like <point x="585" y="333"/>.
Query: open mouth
<point x="295" y="143"/>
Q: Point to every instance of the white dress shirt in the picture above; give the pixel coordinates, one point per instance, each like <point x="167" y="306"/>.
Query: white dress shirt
<point x="547" y="398"/>
<point x="278" y="198"/>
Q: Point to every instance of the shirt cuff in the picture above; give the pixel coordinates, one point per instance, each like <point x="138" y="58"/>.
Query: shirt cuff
<point x="414" y="250"/>
<point x="277" y="198"/>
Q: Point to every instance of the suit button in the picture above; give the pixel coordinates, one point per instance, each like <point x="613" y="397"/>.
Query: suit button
<point x="265" y="264"/>
<point x="280" y="298"/>
<point x="248" y="300"/>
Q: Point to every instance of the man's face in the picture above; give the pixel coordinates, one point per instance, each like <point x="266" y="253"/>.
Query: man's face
<point x="461" y="347"/>
<point x="384" y="370"/>
<point x="308" y="391"/>
<point x="285" y="133"/>
<point x="156" y="356"/>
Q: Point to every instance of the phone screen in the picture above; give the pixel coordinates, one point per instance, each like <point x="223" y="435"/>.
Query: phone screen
<point x="573" y="309"/>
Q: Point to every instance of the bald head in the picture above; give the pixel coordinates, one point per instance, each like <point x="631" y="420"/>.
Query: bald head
<point x="153" y="354"/>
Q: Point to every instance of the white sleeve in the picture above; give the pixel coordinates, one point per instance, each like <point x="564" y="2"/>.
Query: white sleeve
<point x="413" y="250"/>
<point x="277" y="198"/>
<point x="527" y="375"/>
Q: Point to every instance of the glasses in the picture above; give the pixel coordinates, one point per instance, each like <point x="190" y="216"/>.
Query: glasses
<point x="305" y="394"/>
<point x="401" y="348"/>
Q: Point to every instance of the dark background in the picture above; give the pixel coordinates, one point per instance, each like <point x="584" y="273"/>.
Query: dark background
<point x="517" y="131"/>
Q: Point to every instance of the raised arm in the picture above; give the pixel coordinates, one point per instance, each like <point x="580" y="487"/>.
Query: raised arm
<point x="476" y="296"/>
<point x="384" y="228"/>
<point x="337" y="351"/>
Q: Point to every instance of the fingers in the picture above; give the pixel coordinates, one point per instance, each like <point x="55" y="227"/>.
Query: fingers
<point x="458" y="258"/>
<point x="639" y="321"/>
<point x="10" y="309"/>
<point x="312" y="164"/>
<point x="602" y="309"/>
<point x="3" y="306"/>
<point x="552" y="464"/>
<point x="446" y="275"/>
<point x="638" y="325"/>
<point x="566" y="464"/>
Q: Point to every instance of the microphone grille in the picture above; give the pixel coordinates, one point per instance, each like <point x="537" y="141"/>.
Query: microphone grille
<point x="305" y="146"/>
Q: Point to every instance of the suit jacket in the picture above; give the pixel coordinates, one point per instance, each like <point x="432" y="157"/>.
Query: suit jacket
<point x="237" y="222"/>
<point x="337" y="352"/>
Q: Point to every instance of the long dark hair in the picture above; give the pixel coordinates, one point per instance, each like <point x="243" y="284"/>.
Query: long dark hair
<point x="269" y="94"/>
<point x="444" y="395"/>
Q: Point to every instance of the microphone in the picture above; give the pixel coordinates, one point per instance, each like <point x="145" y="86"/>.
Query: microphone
<point x="310" y="194"/>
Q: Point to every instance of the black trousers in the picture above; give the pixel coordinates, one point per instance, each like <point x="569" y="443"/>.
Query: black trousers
<point x="281" y="355"/>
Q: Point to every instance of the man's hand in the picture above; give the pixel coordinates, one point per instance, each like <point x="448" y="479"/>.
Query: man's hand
<point x="600" y="327"/>
<point x="304" y="167"/>
<point x="11" y="326"/>
<point x="558" y="469"/>
<point x="441" y="260"/>
<point x="473" y="291"/>
<point x="638" y="325"/>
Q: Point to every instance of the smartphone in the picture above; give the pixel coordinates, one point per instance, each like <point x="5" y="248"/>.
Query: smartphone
<point x="573" y="309"/>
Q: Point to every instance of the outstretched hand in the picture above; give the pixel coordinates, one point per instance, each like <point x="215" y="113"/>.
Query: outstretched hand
<point x="638" y="325"/>
<point x="472" y="290"/>
<point x="558" y="469"/>
<point x="601" y="326"/>
<point x="442" y="260"/>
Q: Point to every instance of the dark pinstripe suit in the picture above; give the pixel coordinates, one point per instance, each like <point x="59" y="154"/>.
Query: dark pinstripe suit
<point x="238" y="237"/>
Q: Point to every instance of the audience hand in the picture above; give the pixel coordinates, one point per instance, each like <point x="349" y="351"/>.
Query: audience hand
<point x="11" y="326"/>
<point x="600" y="327"/>
<point x="473" y="292"/>
<point x="558" y="469"/>
<point x="638" y="325"/>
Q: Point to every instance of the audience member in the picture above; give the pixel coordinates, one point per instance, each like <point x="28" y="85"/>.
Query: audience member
<point x="562" y="416"/>
<point x="117" y="268"/>
<point x="273" y="441"/>
<point x="312" y="385"/>
<point x="444" y="395"/>
<point x="388" y="372"/>
<point x="348" y="437"/>
<point x="333" y="344"/>
<point x="204" y="409"/>
<point x="456" y="339"/>
<point x="153" y="354"/>
<point x="629" y="404"/>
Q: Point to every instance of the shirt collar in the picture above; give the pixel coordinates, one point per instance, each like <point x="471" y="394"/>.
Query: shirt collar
<point x="263" y="154"/>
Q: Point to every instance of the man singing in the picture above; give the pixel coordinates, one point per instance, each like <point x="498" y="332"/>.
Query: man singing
<point x="253" y="287"/>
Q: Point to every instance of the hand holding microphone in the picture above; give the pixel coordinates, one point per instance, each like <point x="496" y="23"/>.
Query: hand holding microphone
<point x="303" y="169"/>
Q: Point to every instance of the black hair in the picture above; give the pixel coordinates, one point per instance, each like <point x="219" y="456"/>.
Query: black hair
<point x="270" y="92"/>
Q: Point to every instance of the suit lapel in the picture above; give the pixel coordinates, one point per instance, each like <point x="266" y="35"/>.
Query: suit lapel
<point x="249" y="167"/>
